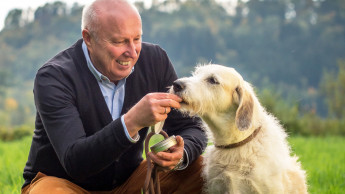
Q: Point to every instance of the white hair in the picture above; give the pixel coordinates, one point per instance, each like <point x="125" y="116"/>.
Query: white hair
<point x="89" y="18"/>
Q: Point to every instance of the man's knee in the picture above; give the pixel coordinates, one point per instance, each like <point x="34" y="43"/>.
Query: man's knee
<point x="53" y="185"/>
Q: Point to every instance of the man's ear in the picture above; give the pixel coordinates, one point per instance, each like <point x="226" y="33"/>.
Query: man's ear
<point x="86" y="36"/>
<point x="244" y="113"/>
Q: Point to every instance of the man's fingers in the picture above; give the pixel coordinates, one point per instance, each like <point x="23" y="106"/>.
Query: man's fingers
<point x="158" y="101"/>
<point x="162" y="162"/>
<point x="180" y="141"/>
<point x="168" y="96"/>
<point x="169" y="103"/>
<point x="170" y="156"/>
<point x="165" y="110"/>
<point x="169" y="159"/>
<point x="179" y="145"/>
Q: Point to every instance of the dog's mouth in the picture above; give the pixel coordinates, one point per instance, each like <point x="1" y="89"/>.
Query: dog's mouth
<point x="183" y="102"/>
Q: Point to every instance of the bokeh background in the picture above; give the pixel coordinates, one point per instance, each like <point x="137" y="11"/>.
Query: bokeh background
<point x="292" y="51"/>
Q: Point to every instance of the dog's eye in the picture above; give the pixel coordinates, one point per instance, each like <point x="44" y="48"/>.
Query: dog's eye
<point x="212" y="80"/>
<point x="238" y="90"/>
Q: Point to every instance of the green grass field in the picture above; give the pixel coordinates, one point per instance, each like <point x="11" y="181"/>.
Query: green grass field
<point x="324" y="161"/>
<point x="322" y="158"/>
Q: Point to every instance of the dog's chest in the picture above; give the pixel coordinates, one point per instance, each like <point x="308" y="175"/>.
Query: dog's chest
<point x="219" y="163"/>
<point x="230" y="178"/>
<point x="241" y="169"/>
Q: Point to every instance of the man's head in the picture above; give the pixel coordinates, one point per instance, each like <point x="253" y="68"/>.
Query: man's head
<point x="112" y="31"/>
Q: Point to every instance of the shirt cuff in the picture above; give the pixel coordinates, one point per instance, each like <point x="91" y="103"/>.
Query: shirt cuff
<point x="136" y="138"/>
<point x="185" y="161"/>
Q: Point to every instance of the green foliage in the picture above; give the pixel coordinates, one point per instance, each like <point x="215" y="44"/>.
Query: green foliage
<point x="16" y="133"/>
<point x="287" y="113"/>
<point x="13" y="19"/>
<point x="312" y="124"/>
<point x="281" y="46"/>
<point x="333" y="88"/>
<point x="295" y="120"/>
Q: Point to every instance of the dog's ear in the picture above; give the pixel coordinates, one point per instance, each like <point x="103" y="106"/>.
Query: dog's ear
<point x="244" y="111"/>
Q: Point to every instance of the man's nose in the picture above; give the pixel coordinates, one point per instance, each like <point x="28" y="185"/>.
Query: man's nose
<point x="131" y="50"/>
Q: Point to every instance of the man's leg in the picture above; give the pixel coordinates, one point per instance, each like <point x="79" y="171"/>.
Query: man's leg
<point x="184" y="181"/>
<point x="43" y="184"/>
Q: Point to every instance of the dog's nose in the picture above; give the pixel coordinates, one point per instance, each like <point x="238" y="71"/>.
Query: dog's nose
<point x="178" y="86"/>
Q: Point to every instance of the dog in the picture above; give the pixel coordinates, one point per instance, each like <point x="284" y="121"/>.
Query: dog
<point x="250" y="153"/>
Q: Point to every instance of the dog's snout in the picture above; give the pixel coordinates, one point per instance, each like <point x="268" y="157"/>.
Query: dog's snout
<point x="178" y="86"/>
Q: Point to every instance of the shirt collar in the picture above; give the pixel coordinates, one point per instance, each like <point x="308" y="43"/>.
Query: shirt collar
<point x="98" y="75"/>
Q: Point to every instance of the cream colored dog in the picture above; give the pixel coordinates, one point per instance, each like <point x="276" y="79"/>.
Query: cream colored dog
<point x="250" y="152"/>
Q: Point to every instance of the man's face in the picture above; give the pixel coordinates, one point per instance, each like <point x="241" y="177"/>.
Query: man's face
<point x="115" y="47"/>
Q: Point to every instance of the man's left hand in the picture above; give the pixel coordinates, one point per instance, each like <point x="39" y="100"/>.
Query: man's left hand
<point x="169" y="159"/>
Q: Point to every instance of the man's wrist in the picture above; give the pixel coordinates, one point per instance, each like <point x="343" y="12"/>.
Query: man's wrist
<point x="178" y="165"/>
<point x="133" y="139"/>
<point x="183" y="163"/>
<point x="132" y="128"/>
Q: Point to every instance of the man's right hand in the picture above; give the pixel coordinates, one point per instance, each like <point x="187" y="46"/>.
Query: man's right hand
<point x="151" y="109"/>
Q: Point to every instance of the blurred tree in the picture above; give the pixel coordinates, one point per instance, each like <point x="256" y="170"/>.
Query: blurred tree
<point x="50" y="10"/>
<point x="263" y="8"/>
<point x="11" y="104"/>
<point x="333" y="88"/>
<point x="13" y="19"/>
<point x="286" y="112"/>
<point x="288" y="43"/>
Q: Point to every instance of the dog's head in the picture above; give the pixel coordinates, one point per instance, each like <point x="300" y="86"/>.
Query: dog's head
<point x="216" y="90"/>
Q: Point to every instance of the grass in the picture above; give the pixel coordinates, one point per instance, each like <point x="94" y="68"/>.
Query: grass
<point x="324" y="161"/>
<point x="322" y="158"/>
<point x="13" y="156"/>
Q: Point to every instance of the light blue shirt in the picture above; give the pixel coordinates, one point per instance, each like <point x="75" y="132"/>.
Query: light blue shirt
<point x="113" y="94"/>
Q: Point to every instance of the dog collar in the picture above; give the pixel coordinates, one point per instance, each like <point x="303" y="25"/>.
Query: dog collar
<point x="238" y="144"/>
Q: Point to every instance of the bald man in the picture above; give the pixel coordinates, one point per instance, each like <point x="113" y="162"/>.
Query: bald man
<point x="95" y="102"/>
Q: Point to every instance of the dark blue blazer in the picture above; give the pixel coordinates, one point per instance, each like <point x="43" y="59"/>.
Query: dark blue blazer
<point x="75" y="137"/>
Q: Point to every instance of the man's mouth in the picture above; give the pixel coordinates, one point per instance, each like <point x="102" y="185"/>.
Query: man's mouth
<point x="123" y="63"/>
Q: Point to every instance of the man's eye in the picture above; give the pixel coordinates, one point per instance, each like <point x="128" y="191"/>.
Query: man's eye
<point x="212" y="80"/>
<point x="137" y="39"/>
<point x="118" y="42"/>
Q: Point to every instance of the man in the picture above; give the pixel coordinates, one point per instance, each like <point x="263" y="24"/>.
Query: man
<point x="95" y="102"/>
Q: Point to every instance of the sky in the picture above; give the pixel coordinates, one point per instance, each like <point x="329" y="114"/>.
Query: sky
<point x="8" y="5"/>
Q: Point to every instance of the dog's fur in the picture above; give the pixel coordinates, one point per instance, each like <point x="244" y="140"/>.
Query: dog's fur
<point x="230" y="108"/>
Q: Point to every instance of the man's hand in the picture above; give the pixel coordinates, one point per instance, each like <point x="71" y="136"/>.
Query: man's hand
<point x="169" y="159"/>
<point x="151" y="109"/>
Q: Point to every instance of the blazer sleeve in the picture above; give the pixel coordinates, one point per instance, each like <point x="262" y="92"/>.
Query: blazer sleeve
<point x="55" y="101"/>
